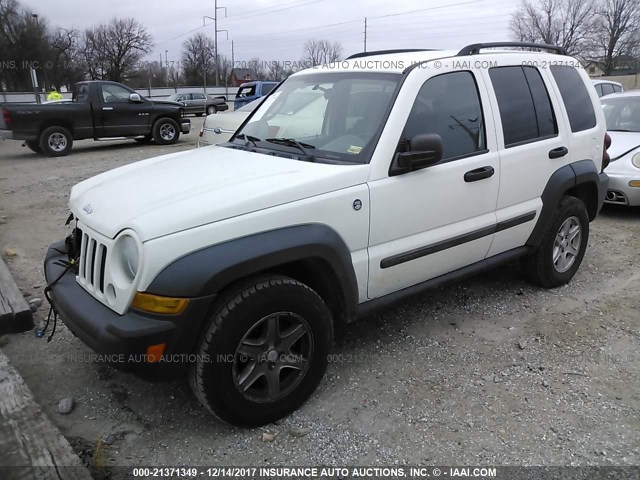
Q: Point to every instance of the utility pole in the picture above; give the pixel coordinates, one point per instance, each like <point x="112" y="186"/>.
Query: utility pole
<point x="166" y="66"/>
<point x="365" y="34"/>
<point x="233" y="60"/>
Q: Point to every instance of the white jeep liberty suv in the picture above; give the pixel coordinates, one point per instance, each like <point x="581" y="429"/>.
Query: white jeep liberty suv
<point x="352" y="186"/>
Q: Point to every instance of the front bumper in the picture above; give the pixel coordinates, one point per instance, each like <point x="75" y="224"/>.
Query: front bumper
<point x="124" y="339"/>
<point x="620" y="193"/>
<point x="185" y="125"/>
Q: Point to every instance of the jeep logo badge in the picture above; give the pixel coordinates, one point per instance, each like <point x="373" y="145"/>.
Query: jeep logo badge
<point x="357" y="204"/>
<point x="88" y="209"/>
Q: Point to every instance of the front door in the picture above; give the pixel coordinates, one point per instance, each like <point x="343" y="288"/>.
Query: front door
<point x="432" y="221"/>
<point x="119" y="115"/>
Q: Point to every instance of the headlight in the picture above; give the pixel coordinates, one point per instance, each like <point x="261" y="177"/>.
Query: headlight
<point x="126" y="259"/>
<point x="130" y="257"/>
<point x="636" y="160"/>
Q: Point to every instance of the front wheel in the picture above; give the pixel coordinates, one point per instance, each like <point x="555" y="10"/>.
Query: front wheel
<point x="56" y="141"/>
<point x="165" y="131"/>
<point x="563" y="246"/>
<point x="263" y="353"/>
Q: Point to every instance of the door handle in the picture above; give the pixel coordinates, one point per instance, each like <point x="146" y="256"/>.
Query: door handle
<point x="107" y="108"/>
<point x="478" y="174"/>
<point x="558" y="152"/>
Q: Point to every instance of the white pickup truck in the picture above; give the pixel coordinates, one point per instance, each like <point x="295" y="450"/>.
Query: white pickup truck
<point x="352" y="186"/>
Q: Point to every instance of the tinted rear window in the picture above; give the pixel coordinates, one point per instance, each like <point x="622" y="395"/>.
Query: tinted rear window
<point x="575" y="97"/>
<point x="525" y="109"/>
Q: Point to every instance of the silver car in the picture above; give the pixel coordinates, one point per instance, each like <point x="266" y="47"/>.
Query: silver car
<point x="622" y="111"/>
<point x="199" y="103"/>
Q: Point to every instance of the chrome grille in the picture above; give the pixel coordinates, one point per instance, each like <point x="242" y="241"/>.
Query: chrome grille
<point x="93" y="257"/>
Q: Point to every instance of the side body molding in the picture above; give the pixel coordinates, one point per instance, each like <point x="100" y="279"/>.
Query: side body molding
<point x="582" y="172"/>
<point x="209" y="270"/>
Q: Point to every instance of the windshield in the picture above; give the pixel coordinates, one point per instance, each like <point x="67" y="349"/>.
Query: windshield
<point x="173" y="98"/>
<point x="622" y="114"/>
<point x="334" y="116"/>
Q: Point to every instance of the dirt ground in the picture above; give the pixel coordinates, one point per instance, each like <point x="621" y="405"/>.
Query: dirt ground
<point x="491" y="371"/>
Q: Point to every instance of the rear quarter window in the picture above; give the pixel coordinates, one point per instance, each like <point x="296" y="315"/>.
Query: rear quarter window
<point x="575" y="97"/>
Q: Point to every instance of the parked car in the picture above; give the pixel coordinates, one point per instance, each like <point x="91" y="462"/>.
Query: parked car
<point x="199" y="103"/>
<point x="234" y="264"/>
<point x="219" y="128"/>
<point x="622" y="113"/>
<point x="250" y="91"/>
<point x="98" y="110"/>
<point x="607" y="87"/>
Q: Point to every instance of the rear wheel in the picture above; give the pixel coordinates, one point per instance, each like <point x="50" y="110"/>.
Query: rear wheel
<point x="563" y="246"/>
<point x="211" y="110"/>
<point x="165" y="131"/>
<point x="33" y="146"/>
<point x="56" y="141"/>
<point x="264" y="351"/>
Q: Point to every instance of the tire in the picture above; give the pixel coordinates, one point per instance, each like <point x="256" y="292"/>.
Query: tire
<point x="166" y="131"/>
<point x="565" y="240"/>
<point x="199" y="114"/>
<point x="33" y="146"/>
<point x="241" y="340"/>
<point x="56" y="141"/>
<point x="211" y="109"/>
<point x="145" y="139"/>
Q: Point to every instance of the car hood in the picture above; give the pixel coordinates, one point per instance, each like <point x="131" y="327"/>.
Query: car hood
<point x="166" y="102"/>
<point x="226" y="121"/>
<point x="623" y="143"/>
<point x="176" y="192"/>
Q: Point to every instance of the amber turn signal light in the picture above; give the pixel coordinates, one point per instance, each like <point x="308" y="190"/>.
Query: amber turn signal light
<point x="157" y="304"/>
<point x="154" y="353"/>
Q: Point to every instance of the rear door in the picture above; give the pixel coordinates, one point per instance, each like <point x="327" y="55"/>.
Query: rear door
<point x="533" y="144"/>
<point x="198" y="101"/>
<point x="118" y="115"/>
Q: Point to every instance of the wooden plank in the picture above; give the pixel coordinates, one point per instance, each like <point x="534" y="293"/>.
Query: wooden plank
<point x="30" y="445"/>
<point x="15" y="314"/>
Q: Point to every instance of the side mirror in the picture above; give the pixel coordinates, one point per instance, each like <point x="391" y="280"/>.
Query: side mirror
<point x="135" y="98"/>
<point x="425" y="149"/>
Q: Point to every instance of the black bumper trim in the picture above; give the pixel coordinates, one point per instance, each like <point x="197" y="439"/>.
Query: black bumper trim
<point x="109" y="333"/>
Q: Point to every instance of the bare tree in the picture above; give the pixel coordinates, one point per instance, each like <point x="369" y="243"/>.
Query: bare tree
<point x="320" y="52"/>
<point x="198" y="60"/>
<point x="112" y="51"/>
<point x="617" y="31"/>
<point x="566" y="23"/>
<point x="65" y="69"/>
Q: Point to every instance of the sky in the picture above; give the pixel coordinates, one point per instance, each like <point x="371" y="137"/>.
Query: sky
<point x="276" y="30"/>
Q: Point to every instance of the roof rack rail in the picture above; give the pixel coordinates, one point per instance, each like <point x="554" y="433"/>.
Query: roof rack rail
<point x="475" y="48"/>
<point x="387" y="52"/>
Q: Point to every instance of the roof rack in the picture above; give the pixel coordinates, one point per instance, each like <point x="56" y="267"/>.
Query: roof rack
<point x="475" y="48"/>
<point x="388" y="52"/>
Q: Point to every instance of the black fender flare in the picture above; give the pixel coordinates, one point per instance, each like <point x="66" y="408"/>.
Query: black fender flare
<point x="209" y="270"/>
<point x="582" y="172"/>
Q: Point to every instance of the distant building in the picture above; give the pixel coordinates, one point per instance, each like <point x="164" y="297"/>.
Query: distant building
<point x="241" y="75"/>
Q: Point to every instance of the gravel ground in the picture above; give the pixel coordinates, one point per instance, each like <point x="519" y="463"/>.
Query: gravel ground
<point x="491" y="371"/>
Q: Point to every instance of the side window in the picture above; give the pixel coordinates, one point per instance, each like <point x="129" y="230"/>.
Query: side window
<point x="115" y="94"/>
<point x="525" y="108"/>
<point x="547" y="126"/>
<point x="607" y="89"/>
<point x="575" y="97"/>
<point x="449" y="105"/>
<point x="599" y="89"/>
<point x="266" y="89"/>
<point x="617" y="89"/>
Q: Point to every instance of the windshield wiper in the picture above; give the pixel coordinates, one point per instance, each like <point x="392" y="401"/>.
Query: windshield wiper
<point x="292" y="142"/>
<point x="249" y="138"/>
<point x="619" y="130"/>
